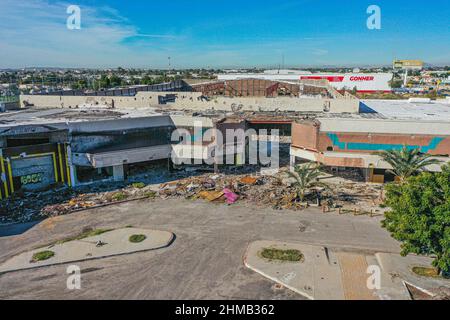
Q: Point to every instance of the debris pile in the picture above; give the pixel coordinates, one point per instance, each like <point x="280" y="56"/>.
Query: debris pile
<point x="26" y="207"/>
<point x="265" y="191"/>
<point x="272" y="190"/>
<point x="365" y="196"/>
<point x="35" y="206"/>
<point x="90" y="200"/>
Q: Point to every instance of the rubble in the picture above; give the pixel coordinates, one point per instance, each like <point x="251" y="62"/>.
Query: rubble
<point x="239" y="184"/>
<point x="248" y="180"/>
<point x="275" y="191"/>
<point x="230" y="196"/>
<point x="259" y="190"/>
<point x="210" y="195"/>
<point x="36" y="206"/>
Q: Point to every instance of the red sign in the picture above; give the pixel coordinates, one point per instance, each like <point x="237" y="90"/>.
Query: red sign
<point x="329" y="78"/>
<point x="361" y="78"/>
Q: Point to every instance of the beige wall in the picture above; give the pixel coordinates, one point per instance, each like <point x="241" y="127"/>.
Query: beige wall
<point x="141" y="100"/>
<point x="192" y="101"/>
<point x="269" y="104"/>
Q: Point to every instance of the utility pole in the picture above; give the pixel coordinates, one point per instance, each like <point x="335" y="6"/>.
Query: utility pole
<point x="405" y="81"/>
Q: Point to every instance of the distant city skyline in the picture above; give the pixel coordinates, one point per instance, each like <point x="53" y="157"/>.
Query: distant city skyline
<point x="221" y="34"/>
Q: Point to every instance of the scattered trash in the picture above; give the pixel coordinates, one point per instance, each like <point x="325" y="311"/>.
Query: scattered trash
<point x="248" y="180"/>
<point x="230" y="196"/>
<point x="100" y="243"/>
<point x="235" y="184"/>
<point x="210" y="195"/>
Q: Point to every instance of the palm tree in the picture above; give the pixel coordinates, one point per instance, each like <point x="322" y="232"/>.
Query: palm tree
<point x="306" y="177"/>
<point x="406" y="162"/>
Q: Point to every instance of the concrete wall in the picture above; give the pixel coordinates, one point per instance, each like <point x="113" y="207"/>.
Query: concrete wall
<point x="193" y="101"/>
<point x="4" y="106"/>
<point x="270" y="104"/>
<point x="141" y="100"/>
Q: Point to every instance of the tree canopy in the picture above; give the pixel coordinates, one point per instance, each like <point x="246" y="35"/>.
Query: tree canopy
<point x="406" y="162"/>
<point x="306" y="177"/>
<point x="420" y="215"/>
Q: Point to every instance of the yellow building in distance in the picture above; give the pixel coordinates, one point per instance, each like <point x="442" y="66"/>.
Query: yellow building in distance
<point x="408" y="64"/>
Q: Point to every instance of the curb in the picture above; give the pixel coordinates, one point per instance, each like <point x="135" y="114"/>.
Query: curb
<point x="172" y="239"/>
<point x="274" y="279"/>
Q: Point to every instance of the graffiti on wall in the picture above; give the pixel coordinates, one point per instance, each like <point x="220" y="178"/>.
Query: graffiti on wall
<point x="31" y="178"/>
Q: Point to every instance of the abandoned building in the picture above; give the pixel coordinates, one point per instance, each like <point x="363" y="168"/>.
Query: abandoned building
<point x="235" y="95"/>
<point x="37" y="153"/>
<point x="75" y="138"/>
<point x="351" y="143"/>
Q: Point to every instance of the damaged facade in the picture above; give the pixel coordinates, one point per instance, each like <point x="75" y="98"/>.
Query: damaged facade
<point x="104" y="135"/>
<point x="39" y="155"/>
<point x="351" y="143"/>
<point x="235" y="95"/>
<point x="32" y="158"/>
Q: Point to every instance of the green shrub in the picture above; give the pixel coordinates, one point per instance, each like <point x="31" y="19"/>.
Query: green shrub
<point x="138" y="185"/>
<point x="426" y="272"/>
<point x="119" y="196"/>
<point x="150" y="194"/>
<point x="136" y="238"/>
<point x="292" y="255"/>
<point x="42" y="255"/>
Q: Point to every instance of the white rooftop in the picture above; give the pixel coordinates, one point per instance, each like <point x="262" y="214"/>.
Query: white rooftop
<point x="388" y="126"/>
<point x="403" y="109"/>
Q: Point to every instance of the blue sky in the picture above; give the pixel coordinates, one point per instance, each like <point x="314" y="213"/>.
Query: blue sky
<point x="216" y="33"/>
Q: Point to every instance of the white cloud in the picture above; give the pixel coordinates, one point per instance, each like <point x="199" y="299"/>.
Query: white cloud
<point x="34" y="33"/>
<point x="319" y="52"/>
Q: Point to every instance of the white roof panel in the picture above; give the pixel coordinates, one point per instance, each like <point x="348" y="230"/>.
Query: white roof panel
<point x="402" y="109"/>
<point x="387" y="126"/>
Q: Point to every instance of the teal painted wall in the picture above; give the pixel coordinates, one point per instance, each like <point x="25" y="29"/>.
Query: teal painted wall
<point x="365" y="146"/>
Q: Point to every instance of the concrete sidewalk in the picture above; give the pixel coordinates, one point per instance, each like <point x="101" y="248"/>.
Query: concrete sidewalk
<point x="398" y="266"/>
<point x="116" y="242"/>
<point x="205" y="261"/>
<point x="317" y="277"/>
<point x="325" y="274"/>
